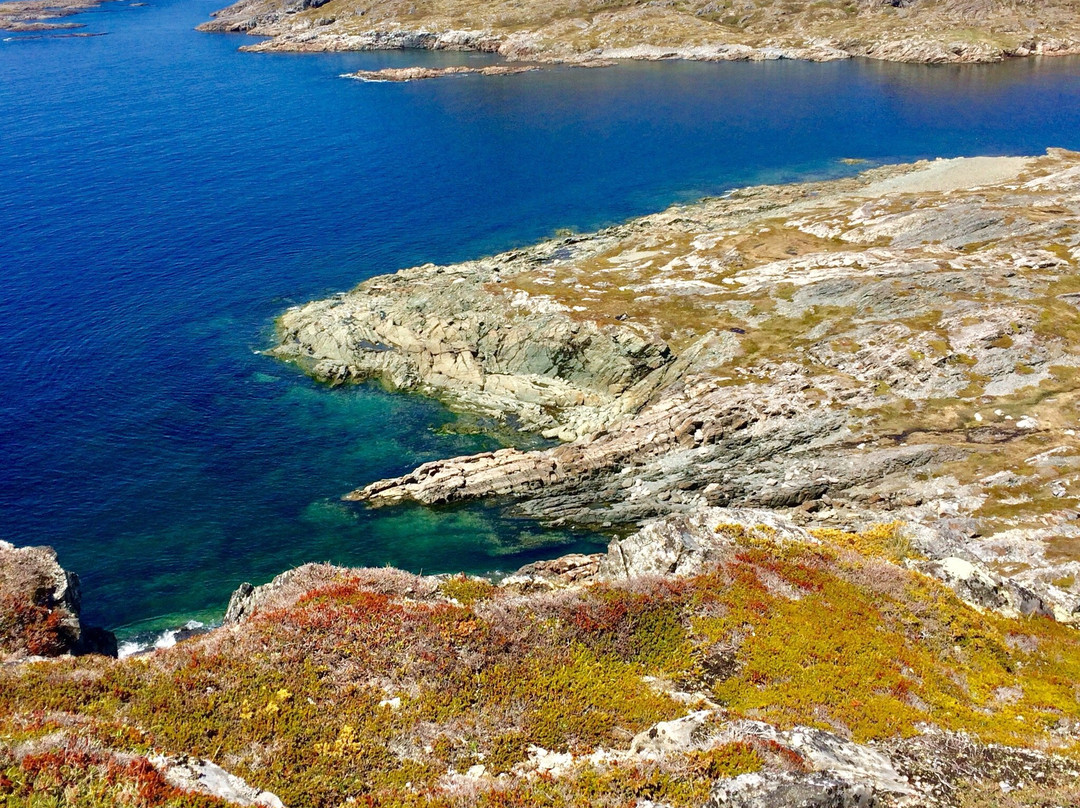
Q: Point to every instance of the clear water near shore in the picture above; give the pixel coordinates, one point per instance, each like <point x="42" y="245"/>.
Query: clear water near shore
<point x="163" y="197"/>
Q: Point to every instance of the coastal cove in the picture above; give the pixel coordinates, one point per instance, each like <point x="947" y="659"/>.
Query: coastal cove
<point x="185" y="194"/>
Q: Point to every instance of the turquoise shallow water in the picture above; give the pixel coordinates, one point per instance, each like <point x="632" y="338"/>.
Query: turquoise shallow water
<point x="163" y="197"/>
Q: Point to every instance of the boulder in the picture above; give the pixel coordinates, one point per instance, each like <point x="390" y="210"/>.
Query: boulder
<point x="779" y="789"/>
<point x="205" y="777"/>
<point x="976" y="585"/>
<point x="688" y="544"/>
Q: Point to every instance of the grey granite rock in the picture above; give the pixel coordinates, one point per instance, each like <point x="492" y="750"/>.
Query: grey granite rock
<point x="689" y="544"/>
<point x="205" y="777"/>
<point x="830" y="348"/>
<point x="787" y="790"/>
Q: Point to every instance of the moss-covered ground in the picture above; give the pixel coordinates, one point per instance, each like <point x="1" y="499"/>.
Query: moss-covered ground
<point x="366" y="690"/>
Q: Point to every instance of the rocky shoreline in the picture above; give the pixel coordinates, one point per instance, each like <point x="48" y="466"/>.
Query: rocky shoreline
<point x="27" y="16"/>
<point x="891" y="346"/>
<point x="400" y="74"/>
<point x="910" y="31"/>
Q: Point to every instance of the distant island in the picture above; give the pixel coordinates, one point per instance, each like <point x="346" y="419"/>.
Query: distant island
<point x="933" y="31"/>
<point x="831" y="428"/>
<point x="26" y="16"/>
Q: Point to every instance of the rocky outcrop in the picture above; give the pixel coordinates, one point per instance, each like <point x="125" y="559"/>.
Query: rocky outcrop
<point x="684" y="545"/>
<point x="836" y="772"/>
<point x="204" y="777"/>
<point x="706" y="443"/>
<point x="868" y="349"/>
<point x="776" y="789"/>
<point x="560" y="573"/>
<point x="287" y="588"/>
<point x="979" y="587"/>
<point x="691" y="544"/>
<point x="40" y="604"/>
<point x="399" y="74"/>
<point x="448" y="331"/>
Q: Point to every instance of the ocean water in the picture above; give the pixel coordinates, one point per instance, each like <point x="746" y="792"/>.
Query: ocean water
<point x="163" y="197"/>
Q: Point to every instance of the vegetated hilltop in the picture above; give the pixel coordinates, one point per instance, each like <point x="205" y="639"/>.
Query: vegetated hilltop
<point x="897" y="30"/>
<point x="768" y="666"/>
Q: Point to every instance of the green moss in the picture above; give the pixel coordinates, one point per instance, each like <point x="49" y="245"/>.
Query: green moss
<point x="467" y="590"/>
<point x="888" y="540"/>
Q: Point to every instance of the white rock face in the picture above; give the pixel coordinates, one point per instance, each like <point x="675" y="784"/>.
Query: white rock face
<point x="783" y="789"/>
<point x="687" y="545"/>
<point x="205" y="777"/>
<point x="845" y="773"/>
<point x="856" y="763"/>
<point x="976" y="585"/>
<point x="680" y="735"/>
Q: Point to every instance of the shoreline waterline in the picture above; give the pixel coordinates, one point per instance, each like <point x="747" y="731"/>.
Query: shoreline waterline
<point x="160" y="211"/>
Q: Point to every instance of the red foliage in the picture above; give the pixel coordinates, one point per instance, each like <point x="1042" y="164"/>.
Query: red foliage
<point x="788" y="757"/>
<point x="797" y="573"/>
<point x="55" y="761"/>
<point x="30" y="626"/>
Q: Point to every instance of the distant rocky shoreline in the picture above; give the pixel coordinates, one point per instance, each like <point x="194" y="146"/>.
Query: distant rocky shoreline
<point x="401" y="74"/>
<point x="916" y="31"/>
<point x="28" y="16"/>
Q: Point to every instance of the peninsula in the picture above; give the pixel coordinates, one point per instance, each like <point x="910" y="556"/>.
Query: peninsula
<point x="898" y="345"/>
<point x="715" y="30"/>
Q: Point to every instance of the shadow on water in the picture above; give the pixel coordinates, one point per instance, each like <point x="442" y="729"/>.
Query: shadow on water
<point x="163" y="197"/>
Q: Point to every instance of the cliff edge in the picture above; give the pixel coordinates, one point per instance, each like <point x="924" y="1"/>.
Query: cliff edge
<point x="40" y="604"/>
<point x="728" y="659"/>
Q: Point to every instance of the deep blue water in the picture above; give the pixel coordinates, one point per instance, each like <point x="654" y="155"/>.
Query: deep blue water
<point x="163" y="197"/>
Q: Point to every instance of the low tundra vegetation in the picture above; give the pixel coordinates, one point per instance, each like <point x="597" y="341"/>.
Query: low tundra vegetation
<point x="55" y="768"/>
<point x="380" y="691"/>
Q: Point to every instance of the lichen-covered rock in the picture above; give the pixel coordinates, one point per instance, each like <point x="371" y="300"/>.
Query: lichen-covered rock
<point x="452" y="332"/>
<point x="899" y="346"/>
<point x="40" y="604"/>
<point x="686" y="734"/>
<point x="690" y="544"/>
<point x="981" y="588"/>
<point x="559" y="573"/>
<point x="205" y="777"/>
<point x="787" y="790"/>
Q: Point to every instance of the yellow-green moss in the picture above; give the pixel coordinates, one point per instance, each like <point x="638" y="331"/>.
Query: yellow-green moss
<point x="353" y="693"/>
